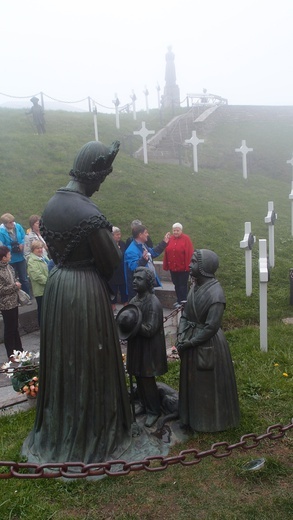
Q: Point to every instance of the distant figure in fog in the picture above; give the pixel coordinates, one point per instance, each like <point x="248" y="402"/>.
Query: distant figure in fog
<point x="38" y="115"/>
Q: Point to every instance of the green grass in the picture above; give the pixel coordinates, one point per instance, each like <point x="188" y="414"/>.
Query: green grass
<point x="212" y="206"/>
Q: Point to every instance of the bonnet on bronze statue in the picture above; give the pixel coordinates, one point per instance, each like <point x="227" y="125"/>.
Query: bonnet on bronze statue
<point x="208" y="262"/>
<point x="128" y="320"/>
<point x="94" y="162"/>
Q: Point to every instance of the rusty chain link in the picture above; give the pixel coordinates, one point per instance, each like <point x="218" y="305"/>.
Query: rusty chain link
<point x="189" y="457"/>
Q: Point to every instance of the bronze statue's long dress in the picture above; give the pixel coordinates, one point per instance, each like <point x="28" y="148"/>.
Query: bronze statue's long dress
<point x="208" y="400"/>
<point x="83" y="411"/>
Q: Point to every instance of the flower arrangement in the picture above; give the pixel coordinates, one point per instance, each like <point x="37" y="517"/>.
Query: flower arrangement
<point x="25" y="377"/>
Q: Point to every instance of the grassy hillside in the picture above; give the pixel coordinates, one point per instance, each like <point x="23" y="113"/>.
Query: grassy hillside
<point x="212" y="205"/>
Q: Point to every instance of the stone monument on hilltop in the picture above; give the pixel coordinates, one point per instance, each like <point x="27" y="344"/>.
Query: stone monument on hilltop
<point x="171" y="97"/>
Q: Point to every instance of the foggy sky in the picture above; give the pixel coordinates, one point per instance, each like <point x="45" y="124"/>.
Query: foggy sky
<point x="240" y="50"/>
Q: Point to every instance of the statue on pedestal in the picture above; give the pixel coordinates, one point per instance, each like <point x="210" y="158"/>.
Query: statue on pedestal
<point x="171" y="97"/>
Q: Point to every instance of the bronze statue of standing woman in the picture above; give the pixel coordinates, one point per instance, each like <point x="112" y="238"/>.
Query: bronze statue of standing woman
<point x="83" y="411"/>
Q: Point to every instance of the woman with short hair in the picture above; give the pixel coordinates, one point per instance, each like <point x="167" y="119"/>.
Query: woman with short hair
<point x="177" y="256"/>
<point x="37" y="268"/>
<point x="9" y="288"/>
<point x="34" y="234"/>
<point x="12" y="235"/>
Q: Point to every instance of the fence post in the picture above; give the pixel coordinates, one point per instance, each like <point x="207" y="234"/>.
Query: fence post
<point x="291" y="285"/>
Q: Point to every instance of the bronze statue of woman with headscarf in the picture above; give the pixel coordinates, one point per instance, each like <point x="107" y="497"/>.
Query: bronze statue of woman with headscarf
<point x="83" y="410"/>
<point x="208" y="400"/>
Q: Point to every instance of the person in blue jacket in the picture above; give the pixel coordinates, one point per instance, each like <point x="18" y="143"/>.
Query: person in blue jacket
<point x="12" y="236"/>
<point x="138" y="254"/>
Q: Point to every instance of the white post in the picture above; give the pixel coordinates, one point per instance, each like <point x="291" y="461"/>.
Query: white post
<point x="290" y="161"/>
<point x="158" y="94"/>
<point x="133" y="98"/>
<point x="244" y="150"/>
<point x="144" y="132"/>
<point x="95" y="112"/>
<point x="195" y="141"/>
<point x="247" y="244"/>
<point x="117" y="103"/>
<point x="146" y="93"/>
<point x="270" y="220"/>
<point x="263" y="295"/>
<point x="291" y="198"/>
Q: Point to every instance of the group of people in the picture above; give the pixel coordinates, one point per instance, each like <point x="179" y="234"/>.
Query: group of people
<point x="23" y="265"/>
<point x="138" y="251"/>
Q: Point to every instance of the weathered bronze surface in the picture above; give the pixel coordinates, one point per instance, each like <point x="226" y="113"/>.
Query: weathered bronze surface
<point x="208" y="400"/>
<point x="83" y="410"/>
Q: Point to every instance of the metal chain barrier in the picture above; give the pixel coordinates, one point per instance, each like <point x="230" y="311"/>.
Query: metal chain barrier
<point x="116" y="468"/>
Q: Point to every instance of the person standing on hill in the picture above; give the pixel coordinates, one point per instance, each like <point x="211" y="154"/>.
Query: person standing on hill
<point x="38" y="115"/>
<point x="177" y="257"/>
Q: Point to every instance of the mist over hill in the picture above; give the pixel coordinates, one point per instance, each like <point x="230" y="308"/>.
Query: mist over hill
<point x="213" y="204"/>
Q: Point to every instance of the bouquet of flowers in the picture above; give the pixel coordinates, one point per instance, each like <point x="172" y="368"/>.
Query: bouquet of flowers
<point x="25" y="377"/>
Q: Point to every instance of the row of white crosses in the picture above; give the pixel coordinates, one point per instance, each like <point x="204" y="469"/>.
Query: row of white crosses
<point x="247" y="244"/>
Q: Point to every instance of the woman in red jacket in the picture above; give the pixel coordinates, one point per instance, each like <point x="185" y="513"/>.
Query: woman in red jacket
<point x="177" y="259"/>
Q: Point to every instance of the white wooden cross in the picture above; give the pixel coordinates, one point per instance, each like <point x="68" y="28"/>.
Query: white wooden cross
<point x="117" y="103"/>
<point x="291" y="198"/>
<point x="247" y="244"/>
<point x="195" y="141"/>
<point x="144" y="132"/>
<point x="146" y="93"/>
<point x="133" y="97"/>
<point x="263" y="294"/>
<point x="290" y="161"/>
<point x="244" y="150"/>
<point x="95" y="112"/>
<point x="270" y="220"/>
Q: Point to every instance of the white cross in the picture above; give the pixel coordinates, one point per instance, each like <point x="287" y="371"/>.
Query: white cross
<point x="263" y="295"/>
<point x="290" y="161"/>
<point x="247" y="244"/>
<point x="144" y="132"/>
<point x="146" y="93"/>
<point x="270" y="220"/>
<point x="116" y="103"/>
<point x="133" y="98"/>
<point x="195" y="141"/>
<point x="244" y="150"/>
<point x="291" y="198"/>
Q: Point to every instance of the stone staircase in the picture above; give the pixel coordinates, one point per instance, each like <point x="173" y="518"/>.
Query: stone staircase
<point x="168" y="145"/>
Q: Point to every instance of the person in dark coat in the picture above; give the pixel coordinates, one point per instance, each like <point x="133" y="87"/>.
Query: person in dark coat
<point x="117" y="282"/>
<point x="38" y="115"/>
<point x="208" y="400"/>
<point x="146" y="351"/>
